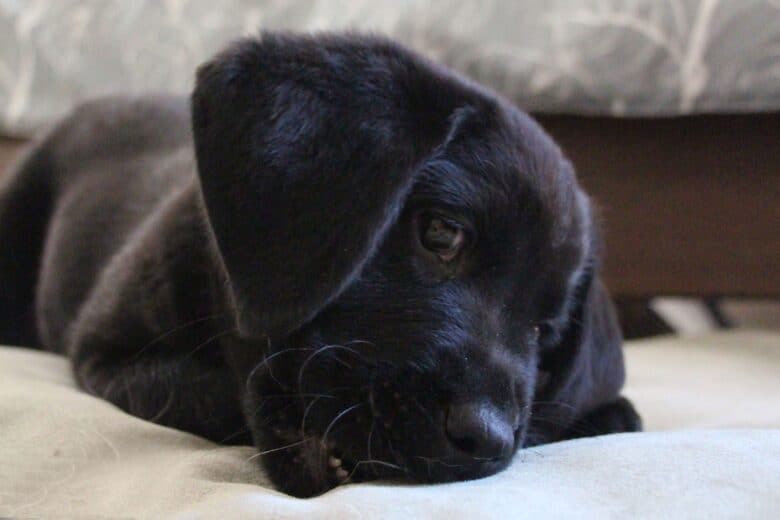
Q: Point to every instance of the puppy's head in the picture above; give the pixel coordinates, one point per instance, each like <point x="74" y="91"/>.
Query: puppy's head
<point x="410" y="257"/>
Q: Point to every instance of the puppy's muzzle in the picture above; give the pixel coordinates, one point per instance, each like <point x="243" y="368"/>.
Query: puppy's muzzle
<point x="479" y="431"/>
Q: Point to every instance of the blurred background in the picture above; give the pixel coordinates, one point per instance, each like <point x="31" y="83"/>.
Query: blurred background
<point x="670" y="110"/>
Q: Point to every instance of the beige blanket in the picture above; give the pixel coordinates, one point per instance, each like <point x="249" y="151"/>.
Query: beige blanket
<point x="712" y="405"/>
<point x="626" y="57"/>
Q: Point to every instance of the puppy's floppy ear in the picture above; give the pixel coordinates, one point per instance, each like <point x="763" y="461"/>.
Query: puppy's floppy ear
<point x="306" y="148"/>
<point x="585" y="368"/>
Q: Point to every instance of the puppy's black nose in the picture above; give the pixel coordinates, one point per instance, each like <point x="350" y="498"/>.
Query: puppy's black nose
<point x="480" y="430"/>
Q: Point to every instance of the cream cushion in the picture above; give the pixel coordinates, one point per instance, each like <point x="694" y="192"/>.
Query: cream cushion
<point x="711" y="405"/>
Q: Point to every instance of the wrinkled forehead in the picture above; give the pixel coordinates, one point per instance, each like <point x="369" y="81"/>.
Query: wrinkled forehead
<point x="502" y="165"/>
<point x="513" y="182"/>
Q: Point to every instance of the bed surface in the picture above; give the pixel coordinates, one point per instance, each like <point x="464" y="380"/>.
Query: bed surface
<point x="711" y="405"/>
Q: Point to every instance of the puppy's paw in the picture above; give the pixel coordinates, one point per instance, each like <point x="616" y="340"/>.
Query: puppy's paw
<point x="615" y="417"/>
<point x="304" y="470"/>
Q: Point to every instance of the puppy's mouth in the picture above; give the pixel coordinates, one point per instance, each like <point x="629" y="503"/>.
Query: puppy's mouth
<point x="330" y="467"/>
<point x="309" y="461"/>
<point x="306" y="464"/>
<point x="374" y="423"/>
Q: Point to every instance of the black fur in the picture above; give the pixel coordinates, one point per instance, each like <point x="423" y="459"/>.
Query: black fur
<point x="260" y="278"/>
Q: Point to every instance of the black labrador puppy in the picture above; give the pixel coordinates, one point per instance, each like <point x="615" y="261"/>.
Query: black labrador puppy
<point x="360" y="261"/>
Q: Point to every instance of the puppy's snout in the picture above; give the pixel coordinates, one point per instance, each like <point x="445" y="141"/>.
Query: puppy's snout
<point x="480" y="431"/>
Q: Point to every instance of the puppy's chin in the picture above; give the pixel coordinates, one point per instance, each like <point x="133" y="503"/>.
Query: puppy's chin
<point x="326" y="416"/>
<point x="310" y="413"/>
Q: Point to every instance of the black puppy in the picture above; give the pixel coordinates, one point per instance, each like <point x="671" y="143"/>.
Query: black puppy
<point x="362" y="262"/>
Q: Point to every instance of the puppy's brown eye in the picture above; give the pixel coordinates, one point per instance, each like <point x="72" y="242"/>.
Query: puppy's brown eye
<point x="441" y="237"/>
<point x="536" y="333"/>
<point x="544" y="333"/>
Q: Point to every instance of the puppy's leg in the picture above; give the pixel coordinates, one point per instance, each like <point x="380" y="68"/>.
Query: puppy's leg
<point x="148" y="338"/>
<point x="25" y="207"/>
<point x="158" y="361"/>
<point x="194" y="394"/>
<point x="614" y="417"/>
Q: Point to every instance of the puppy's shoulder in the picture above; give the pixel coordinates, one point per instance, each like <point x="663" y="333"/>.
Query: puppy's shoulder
<point x="118" y="126"/>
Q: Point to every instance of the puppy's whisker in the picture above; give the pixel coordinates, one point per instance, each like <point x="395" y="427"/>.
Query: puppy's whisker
<point x="306" y="413"/>
<point x="361" y="342"/>
<point x="581" y="427"/>
<point x="270" y="418"/>
<point x="296" y="394"/>
<point x="280" y="448"/>
<point x="324" y="441"/>
<point x="392" y="449"/>
<point x="371" y="397"/>
<point x="426" y="413"/>
<point x="432" y="460"/>
<point x="370" y="438"/>
<point x="561" y="404"/>
<point x="265" y="361"/>
<point x="343" y="363"/>
<point x="237" y="433"/>
<point x="375" y="462"/>
<point x="130" y="397"/>
<point x="165" y="408"/>
<point x="209" y="340"/>
<point x="107" y="390"/>
<point x="428" y="466"/>
<point x="176" y="329"/>
<point x="316" y="353"/>
<point x="417" y="367"/>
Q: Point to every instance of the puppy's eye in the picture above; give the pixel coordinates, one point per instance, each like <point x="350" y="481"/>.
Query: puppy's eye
<point x="441" y="236"/>
<point x="545" y="333"/>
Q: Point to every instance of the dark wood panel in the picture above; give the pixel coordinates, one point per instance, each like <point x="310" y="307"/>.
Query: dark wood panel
<point x="691" y="205"/>
<point x="9" y="148"/>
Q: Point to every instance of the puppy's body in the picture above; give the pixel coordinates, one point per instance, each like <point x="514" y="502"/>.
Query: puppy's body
<point x="265" y="276"/>
<point x="127" y="260"/>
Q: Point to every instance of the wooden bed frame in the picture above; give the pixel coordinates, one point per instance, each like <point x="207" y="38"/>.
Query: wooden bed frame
<point x="691" y="205"/>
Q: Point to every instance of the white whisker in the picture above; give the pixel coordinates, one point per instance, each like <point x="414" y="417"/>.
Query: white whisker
<point x="375" y="462"/>
<point x="265" y="362"/>
<point x="314" y="354"/>
<point x="261" y="453"/>
<point x="335" y="419"/>
<point x="177" y="329"/>
<point x="209" y="340"/>
<point x="306" y="413"/>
